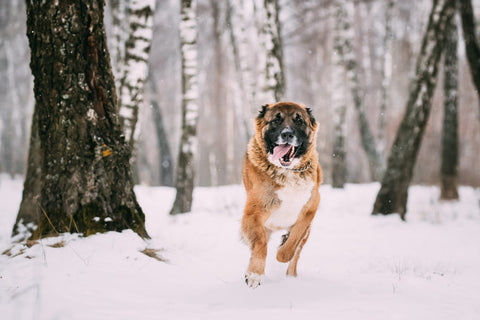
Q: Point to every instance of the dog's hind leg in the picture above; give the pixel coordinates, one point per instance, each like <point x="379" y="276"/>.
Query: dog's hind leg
<point x="292" y="265"/>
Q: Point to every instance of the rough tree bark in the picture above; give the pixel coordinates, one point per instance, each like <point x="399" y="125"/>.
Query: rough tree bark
<point x="449" y="170"/>
<point x="86" y="183"/>
<point x="272" y="75"/>
<point x="134" y="66"/>
<point x="472" y="47"/>
<point x="339" y="167"/>
<point x="345" y="17"/>
<point x="185" y="173"/>
<point x="393" y="194"/>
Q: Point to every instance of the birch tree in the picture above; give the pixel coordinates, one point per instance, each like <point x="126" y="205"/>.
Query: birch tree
<point x="472" y="47"/>
<point x="393" y="194"/>
<point x="134" y="66"/>
<point x="449" y="170"/>
<point x="271" y="85"/>
<point x="339" y="168"/>
<point x="85" y="180"/>
<point x="344" y="19"/>
<point x="386" y="78"/>
<point x="185" y="173"/>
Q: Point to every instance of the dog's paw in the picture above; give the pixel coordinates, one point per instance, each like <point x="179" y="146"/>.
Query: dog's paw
<point x="253" y="280"/>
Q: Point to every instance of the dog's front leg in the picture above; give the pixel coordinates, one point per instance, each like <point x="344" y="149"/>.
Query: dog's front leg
<point x="299" y="230"/>
<point x="256" y="235"/>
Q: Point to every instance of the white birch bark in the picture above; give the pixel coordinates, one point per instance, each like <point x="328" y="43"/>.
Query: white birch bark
<point x="271" y="85"/>
<point x="134" y="68"/>
<point x="386" y="77"/>
<point x="185" y="174"/>
<point x="347" y="53"/>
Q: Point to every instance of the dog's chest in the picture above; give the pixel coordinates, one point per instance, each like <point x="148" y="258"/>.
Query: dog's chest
<point x="292" y="199"/>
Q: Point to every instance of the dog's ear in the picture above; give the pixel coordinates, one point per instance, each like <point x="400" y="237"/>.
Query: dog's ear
<point x="312" y="119"/>
<point x="262" y="111"/>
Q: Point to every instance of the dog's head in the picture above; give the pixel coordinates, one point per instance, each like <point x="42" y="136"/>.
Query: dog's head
<point x="287" y="131"/>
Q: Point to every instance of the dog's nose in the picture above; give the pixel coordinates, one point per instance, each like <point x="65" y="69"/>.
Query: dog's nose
<point x="287" y="134"/>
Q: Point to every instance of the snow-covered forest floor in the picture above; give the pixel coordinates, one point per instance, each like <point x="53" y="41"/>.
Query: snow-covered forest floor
<point x="354" y="266"/>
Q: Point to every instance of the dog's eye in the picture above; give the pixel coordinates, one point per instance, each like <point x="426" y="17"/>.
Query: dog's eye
<point x="277" y="120"/>
<point x="298" y="120"/>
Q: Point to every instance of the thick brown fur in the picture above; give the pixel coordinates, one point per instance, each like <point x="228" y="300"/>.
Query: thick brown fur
<point x="263" y="181"/>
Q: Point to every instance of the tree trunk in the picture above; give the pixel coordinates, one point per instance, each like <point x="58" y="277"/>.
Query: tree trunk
<point x="86" y="184"/>
<point x="449" y="171"/>
<point x="386" y="79"/>
<point x="339" y="167"/>
<point x="164" y="151"/>
<point x="272" y="82"/>
<point x="347" y="55"/>
<point x="119" y="12"/>
<point x="392" y="197"/>
<point x="185" y="174"/>
<point x="472" y="48"/>
<point x="29" y="213"/>
<point x="243" y="100"/>
<point x="134" y="67"/>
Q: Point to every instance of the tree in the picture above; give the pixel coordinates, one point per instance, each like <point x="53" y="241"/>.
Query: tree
<point x="272" y="74"/>
<point x="134" y="66"/>
<point x="449" y="170"/>
<point x="386" y="78"/>
<point x="392" y="197"/>
<point x="347" y="55"/>
<point x="339" y="168"/>
<point x="185" y="173"/>
<point x="85" y="178"/>
<point x="472" y="48"/>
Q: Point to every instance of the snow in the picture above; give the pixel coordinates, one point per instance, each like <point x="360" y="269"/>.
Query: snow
<point x="354" y="265"/>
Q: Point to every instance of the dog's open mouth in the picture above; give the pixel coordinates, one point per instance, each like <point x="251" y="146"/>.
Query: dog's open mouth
<point x="284" y="153"/>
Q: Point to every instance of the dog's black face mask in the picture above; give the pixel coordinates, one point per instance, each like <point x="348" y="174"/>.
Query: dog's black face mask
<point x="286" y="132"/>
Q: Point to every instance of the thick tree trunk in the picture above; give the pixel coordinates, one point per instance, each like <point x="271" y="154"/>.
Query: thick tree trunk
<point x="347" y="55"/>
<point x="449" y="171"/>
<point x="392" y="197"/>
<point x="185" y="174"/>
<point x="272" y="82"/>
<point x="134" y="67"/>
<point x="472" y="47"/>
<point x="86" y="184"/>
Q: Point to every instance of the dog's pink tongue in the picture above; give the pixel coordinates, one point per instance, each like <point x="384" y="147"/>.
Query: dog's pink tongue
<point x="280" y="151"/>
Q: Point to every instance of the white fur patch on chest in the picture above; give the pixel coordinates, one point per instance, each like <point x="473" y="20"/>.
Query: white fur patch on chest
<point x="293" y="197"/>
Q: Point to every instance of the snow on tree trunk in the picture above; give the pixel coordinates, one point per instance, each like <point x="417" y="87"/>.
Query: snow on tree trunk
<point x="472" y="47"/>
<point x="393" y="194"/>
<point x="449" y="171"/>
<point x="345" y="15"/>
<point x="134" y="67"/>
<point x="386" y="79"/>
<point x="339" y="169"/>
<point x="272" y="77"/>
<point x="85" y="179"/>
<point x="185" y="173"/>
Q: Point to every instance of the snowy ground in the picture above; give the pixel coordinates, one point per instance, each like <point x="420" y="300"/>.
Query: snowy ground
<point x="354" y="266"/>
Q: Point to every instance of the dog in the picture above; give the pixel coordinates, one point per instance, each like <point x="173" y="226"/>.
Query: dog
<point x="281" y="175"/>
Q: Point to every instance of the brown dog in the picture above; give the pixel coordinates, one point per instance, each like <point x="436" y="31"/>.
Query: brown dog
<point x="282" y="175"/>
